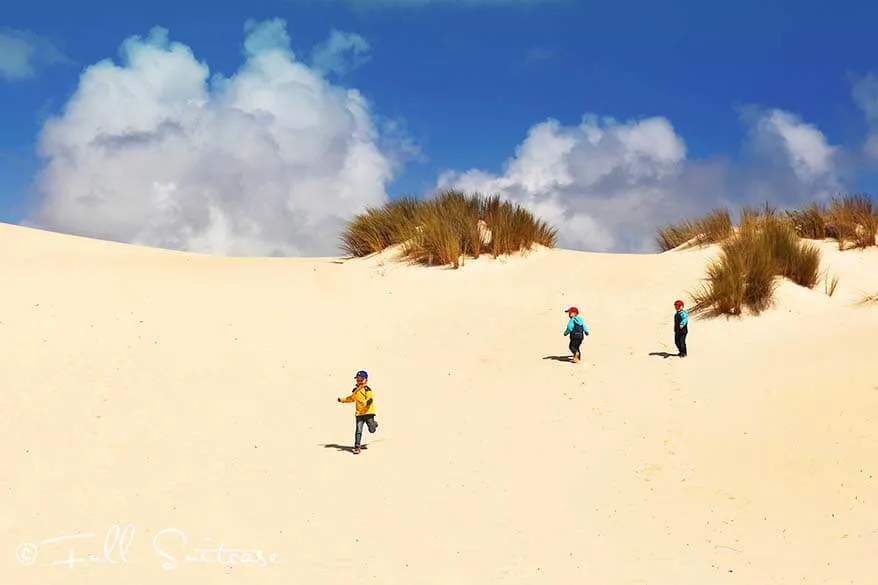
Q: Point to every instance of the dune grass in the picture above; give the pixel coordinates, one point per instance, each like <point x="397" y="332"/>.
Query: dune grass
<point x="756" y="215"/>
<point x="830" y="284"/>
<point x="851" y="220"/>
<point x="377" y="228"/>
<point x="710" y="228"/>
<point x="447" y="228"/>
<point x="767" y="246"/>
<point x="745" y="275"/>
<point x="810" y="222"/>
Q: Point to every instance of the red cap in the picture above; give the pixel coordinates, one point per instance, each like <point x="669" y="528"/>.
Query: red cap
<point x="572" y="309"/>
<point x="678" y="303"/>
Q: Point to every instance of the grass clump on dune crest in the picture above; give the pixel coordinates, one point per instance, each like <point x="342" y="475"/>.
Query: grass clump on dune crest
<point x="445" y="229"/>
<point x="750" y="262"/>
<point x="710" y="228"/>
<point x="850" y="220"/>
<point x="810" y="222"/>
<point x="377" y="228"/>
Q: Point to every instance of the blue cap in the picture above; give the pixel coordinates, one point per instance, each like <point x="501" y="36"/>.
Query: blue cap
<point x="362" y="374"/>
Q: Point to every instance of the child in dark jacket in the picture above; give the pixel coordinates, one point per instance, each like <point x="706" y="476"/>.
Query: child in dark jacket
<point x="681" y="328"/>
<point x="577" y="331"/>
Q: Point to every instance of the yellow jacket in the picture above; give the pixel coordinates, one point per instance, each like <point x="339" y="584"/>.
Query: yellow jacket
<point x="362" y="395"/>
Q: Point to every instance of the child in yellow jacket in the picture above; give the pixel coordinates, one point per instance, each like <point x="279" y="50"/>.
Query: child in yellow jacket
<point x="365" y="407"/>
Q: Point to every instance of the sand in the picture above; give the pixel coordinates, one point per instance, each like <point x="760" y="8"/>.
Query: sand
<point x="177" y="402"/>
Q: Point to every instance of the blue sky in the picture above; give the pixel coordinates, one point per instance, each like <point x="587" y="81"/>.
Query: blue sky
<point x="712" y="104"/>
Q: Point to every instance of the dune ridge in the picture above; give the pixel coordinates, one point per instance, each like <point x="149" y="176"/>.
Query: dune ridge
<point x="179" y="391"/>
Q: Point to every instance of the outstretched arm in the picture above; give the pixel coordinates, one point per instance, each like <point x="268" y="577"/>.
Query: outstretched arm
<point x="347" y="398"/>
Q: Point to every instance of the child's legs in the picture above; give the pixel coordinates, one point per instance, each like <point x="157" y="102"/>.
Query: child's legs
<point x="575" y="342"/>
<point x="371" y="423"/>
<point x="358" y="434"/>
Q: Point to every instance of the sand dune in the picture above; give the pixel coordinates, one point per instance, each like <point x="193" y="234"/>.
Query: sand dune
<point x="176" y="391"/>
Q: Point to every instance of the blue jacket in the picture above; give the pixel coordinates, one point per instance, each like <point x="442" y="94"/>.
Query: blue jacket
<point x="577" y="320"/>
<point x="681" y="319"/>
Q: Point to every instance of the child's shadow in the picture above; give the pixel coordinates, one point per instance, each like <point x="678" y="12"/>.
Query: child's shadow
<point x="663" y="354"/>
<point x="346" y="448"/>
<point x="559" y="358"/>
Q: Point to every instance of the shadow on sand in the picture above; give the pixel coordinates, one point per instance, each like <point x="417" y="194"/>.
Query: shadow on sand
<point x="559" y="358"/>
<point x="346" y="448"/>
<point x="664" y="354"/>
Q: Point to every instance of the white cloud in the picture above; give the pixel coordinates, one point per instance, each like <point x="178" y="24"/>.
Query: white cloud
<point x="609" y="185"/>
<point x="330" y="56"/>
<point x="806" y="148"/>
<point x="22" y="52"/>
<point x="271" y="161"/>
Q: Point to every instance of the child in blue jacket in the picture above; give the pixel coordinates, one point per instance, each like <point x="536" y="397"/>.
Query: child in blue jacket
<point x="577" y="331"/>
<point x="681" y="328"/>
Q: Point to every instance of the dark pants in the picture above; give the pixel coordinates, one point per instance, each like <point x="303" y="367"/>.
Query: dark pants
<point x="371" y="424"/>
<point x="575" y="342"/>
<point x="680" y="340"/>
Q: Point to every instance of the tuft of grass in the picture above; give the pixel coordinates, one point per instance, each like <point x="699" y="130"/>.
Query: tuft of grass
<point x="447" y="228"/>
<point x="805" y="265"/>
<point x="810" y="223"/>
<point x="793" y="259"/>
<point x="437" y="239"/>
<point x="852" y="220"/>
<point x="869" y="300"/>
<point x="829" y="284"/>
<point x="513" y="228"/>
<point x="745" y="275"/>
<point x="675" y="235"/>
<point x="752" y="217"/>
<point x="377" y="228"/>
<point x="713" y="227"/>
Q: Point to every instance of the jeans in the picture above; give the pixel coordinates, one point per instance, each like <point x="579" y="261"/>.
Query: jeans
<point x="371" y="424"/>
<point x="575" y="342"/>
<point x="680" y="340"/>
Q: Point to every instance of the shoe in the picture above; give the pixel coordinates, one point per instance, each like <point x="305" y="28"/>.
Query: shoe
<point x="576" y="358"/>
<point x="356" y="450"/>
